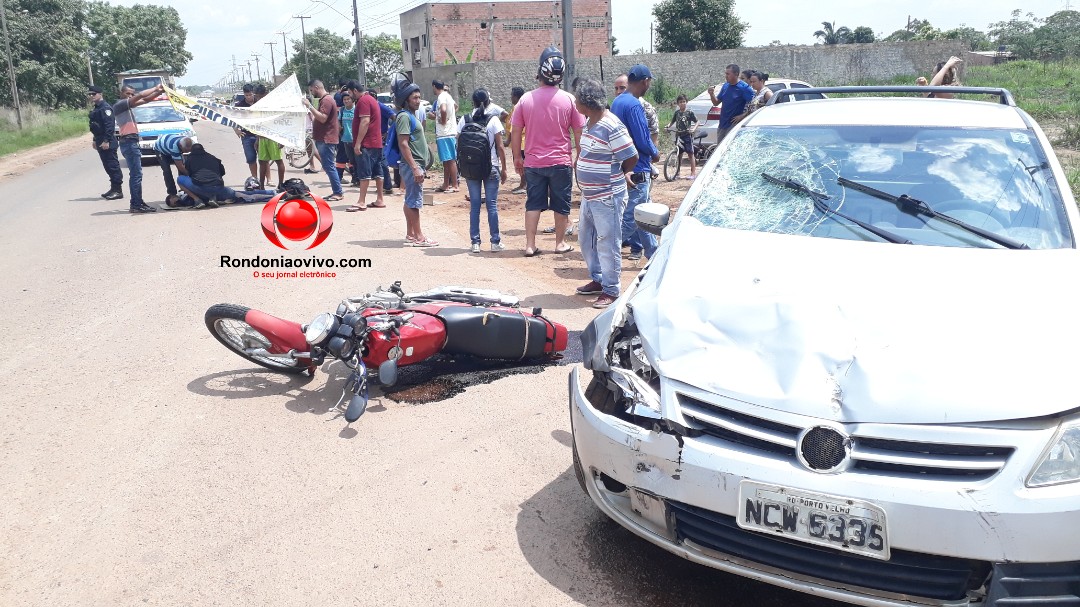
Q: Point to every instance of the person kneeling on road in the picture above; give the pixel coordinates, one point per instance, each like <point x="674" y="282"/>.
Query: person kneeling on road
<point x="204" y="184"/>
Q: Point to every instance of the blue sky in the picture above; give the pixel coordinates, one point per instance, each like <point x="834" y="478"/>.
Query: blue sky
<point x="217" y="30"/>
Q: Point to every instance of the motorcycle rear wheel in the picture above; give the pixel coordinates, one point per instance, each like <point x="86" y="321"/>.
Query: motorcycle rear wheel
<point x="226" y="323"/>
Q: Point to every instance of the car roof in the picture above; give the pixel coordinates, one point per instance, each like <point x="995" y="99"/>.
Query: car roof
<point x="771" y="81"/>
<point x="891" y="111"/>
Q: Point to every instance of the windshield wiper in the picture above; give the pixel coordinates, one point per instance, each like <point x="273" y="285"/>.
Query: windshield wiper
<point x="819" y="204"/>
<point x="914" y="206"/>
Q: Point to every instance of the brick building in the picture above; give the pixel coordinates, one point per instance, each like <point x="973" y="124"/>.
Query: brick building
<point x="500" y="31"/>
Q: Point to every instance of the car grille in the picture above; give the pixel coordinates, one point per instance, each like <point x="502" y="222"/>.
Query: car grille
<point x="867" y="454"/>
<point x="925" y="575"/>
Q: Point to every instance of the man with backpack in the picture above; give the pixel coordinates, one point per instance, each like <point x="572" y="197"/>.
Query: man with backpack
<point x="406" y="146"/>
<point x="482" y="162"/>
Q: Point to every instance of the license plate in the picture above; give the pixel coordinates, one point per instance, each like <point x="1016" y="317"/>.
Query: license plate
<point x="846" y="524"/>
<point x="146" y="145"/>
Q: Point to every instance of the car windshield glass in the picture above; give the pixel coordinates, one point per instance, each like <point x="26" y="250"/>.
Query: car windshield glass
<point x="995" y="179"/>
<point x="143" y="83"/>
<point x="145" y="115"/>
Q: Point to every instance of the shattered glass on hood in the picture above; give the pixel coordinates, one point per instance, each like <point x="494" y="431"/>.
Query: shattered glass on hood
<point x="998" y="180"/>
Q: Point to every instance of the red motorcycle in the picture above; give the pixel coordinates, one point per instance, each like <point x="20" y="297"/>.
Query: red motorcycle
<point x="388" y="329"/>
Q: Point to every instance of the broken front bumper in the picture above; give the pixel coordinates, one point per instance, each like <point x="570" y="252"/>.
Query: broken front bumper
<point x="949" y="540"/>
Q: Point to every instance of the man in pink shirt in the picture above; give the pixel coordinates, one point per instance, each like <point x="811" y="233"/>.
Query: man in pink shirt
<point x="549" y="116"/>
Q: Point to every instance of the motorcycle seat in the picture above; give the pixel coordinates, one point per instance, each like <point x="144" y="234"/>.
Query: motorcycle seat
<point x="490" y="333"/>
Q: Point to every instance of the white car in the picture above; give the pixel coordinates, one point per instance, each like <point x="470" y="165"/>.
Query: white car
<point x="156" y="119"/>
<point x="848" y="369"/>
<point x="708" y="114"/>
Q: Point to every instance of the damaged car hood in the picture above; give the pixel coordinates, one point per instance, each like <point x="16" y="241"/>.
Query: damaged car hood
<point x="863" y="332"/>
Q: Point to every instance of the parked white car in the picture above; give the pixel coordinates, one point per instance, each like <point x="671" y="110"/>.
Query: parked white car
<point x="708" y="114"/>
<point x="848" y="369"/>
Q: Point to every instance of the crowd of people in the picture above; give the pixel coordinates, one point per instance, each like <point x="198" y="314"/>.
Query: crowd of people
<point x="549" y="136"/>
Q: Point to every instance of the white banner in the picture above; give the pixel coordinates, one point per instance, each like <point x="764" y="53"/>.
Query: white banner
<point x="280" y="116"/>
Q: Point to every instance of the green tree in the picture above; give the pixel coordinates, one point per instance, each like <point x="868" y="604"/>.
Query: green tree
<point x="909" y="31"/>
<point x="382" y="58"/>
<point x="139" y="37"/>
<point x="1059" y="36"/>
<point x="614" y="50"/>
<point x="327" y="56"/>
<point x="972" y="38"/>
<point x="697" y="25"/>
<point x="48" y="52"/>
<point x="862" y="35"/>
<point x="830" y="34"/>
<point x="1017" y="34"/>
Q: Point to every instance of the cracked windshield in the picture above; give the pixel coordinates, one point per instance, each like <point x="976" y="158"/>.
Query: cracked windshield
<point x="995" y="180"/>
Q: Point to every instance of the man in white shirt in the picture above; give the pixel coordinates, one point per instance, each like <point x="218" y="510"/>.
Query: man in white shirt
<point x="446" y="130"/>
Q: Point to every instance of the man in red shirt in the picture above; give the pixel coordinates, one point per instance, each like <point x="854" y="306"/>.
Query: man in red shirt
<point x="324" y="130"/>
<point x="368" y="142"/>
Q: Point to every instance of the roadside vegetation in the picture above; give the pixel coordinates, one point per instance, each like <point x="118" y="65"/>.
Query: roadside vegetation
<point x="39" y="128"/>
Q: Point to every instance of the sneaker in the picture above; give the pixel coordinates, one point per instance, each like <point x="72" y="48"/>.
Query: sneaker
<point x="212" y="203"/>
<point x="113" y="195"/>
<point x="476" y="247"/>
<point x="251" y="183"/>
<point x="497" y="246"/>
<point x="592" y="288"/>
<point x="518" y="191"/>
<point x="633" y="256"/>
<point x="388" y="191"/>
<point x="604" y="301"/>
<point x="200" y="205"/>
<point x="143" y="208"/>
<point x="550" y="230"/>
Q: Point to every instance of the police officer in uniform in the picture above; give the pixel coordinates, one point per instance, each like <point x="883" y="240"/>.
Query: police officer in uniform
<point x="103" y="126"/>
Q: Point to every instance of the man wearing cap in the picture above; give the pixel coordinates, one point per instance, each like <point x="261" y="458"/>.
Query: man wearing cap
<point x="102" y="125"/>
<point x="446" y="130"/>
<point x="627" y="108"/>
<point x="549" y="115"/>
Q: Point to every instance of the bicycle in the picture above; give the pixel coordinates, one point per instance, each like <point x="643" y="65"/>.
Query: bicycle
<point x="673" y="162"/>
<point x="301" y="158"/>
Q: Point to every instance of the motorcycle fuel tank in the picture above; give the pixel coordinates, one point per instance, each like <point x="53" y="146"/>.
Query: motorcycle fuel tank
<point x="422" y="336"/>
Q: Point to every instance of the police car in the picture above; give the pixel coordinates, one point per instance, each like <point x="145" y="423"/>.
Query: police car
<point x="158" y="119"/>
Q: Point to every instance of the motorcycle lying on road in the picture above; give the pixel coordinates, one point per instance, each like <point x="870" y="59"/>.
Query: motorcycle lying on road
<point x="387" y="329"/>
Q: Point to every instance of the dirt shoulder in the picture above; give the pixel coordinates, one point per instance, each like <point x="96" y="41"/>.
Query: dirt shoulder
<point x="18" y="163"/>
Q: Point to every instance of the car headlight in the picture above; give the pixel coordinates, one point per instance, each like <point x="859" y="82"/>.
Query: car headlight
<point x="632" y="373"/>
<point x="319" y="328"/>
<point x="1060" y="462"/>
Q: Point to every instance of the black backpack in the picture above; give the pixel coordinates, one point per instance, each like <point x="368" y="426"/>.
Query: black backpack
<point x="474" y="152"/>
<point x="295" y="187"/>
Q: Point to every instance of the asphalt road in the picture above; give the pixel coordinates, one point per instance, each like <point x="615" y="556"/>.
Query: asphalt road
<point x="142" y="463"/>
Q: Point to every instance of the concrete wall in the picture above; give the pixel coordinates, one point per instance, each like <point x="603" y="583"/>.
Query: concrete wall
<point x="502" y="31"/>
<point x="691" y="73"/>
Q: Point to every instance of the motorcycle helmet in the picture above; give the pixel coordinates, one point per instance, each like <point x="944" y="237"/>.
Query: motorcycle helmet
<point x="551" y="67"/>
<point x="402" y="88"/>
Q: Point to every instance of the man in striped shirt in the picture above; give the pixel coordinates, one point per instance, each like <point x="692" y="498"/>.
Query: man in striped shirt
<point x="605" y="162"/>
<point x="170" y="150"/>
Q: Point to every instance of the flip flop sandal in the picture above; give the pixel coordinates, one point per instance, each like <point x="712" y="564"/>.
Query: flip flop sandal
<point x="568" y="249"/>
<point x="426" y="243"/>
<point x="376" y="206"/>
<point x="532" y="253"/>
<point x="354" y="208"/>
<point x="334" y="198"/>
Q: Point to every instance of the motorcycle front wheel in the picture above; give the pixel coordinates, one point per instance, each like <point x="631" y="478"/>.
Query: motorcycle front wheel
<point x="226" y="323"/>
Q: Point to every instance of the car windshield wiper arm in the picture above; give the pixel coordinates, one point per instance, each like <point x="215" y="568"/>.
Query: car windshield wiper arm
<point x="914" y="206"/>
<point x="819" y="204"/>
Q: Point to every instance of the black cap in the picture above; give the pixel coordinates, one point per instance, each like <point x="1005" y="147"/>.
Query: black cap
<point x="93" y="89"/>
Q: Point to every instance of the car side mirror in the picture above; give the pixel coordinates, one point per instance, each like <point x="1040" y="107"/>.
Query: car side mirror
<point x="652" y="217"/>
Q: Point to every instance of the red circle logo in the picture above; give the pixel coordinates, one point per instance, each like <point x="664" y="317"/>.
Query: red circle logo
<point x="296" y="220"/>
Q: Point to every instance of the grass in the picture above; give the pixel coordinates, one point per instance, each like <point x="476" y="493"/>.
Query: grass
<point x="41" y="128"/>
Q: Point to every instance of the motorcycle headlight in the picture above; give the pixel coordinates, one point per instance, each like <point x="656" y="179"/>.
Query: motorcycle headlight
<point x="319" y="328"/>
<point x="1060" y="462"/>
<point x="631" y="371"/>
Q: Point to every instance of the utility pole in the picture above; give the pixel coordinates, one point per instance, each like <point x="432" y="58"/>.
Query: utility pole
<point x="11" y="67"/>
<point x="303" y="40"/>
<point x="248" y="63"/>
<point x="284" y="45"/>
<point x="273" y="66"/>
<point x="651" y="38"/>
<point x="258" y="72"/>
<point x="89" y="67"/>
<point x="359" y="44"/>
<point x="568" y="42"/>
